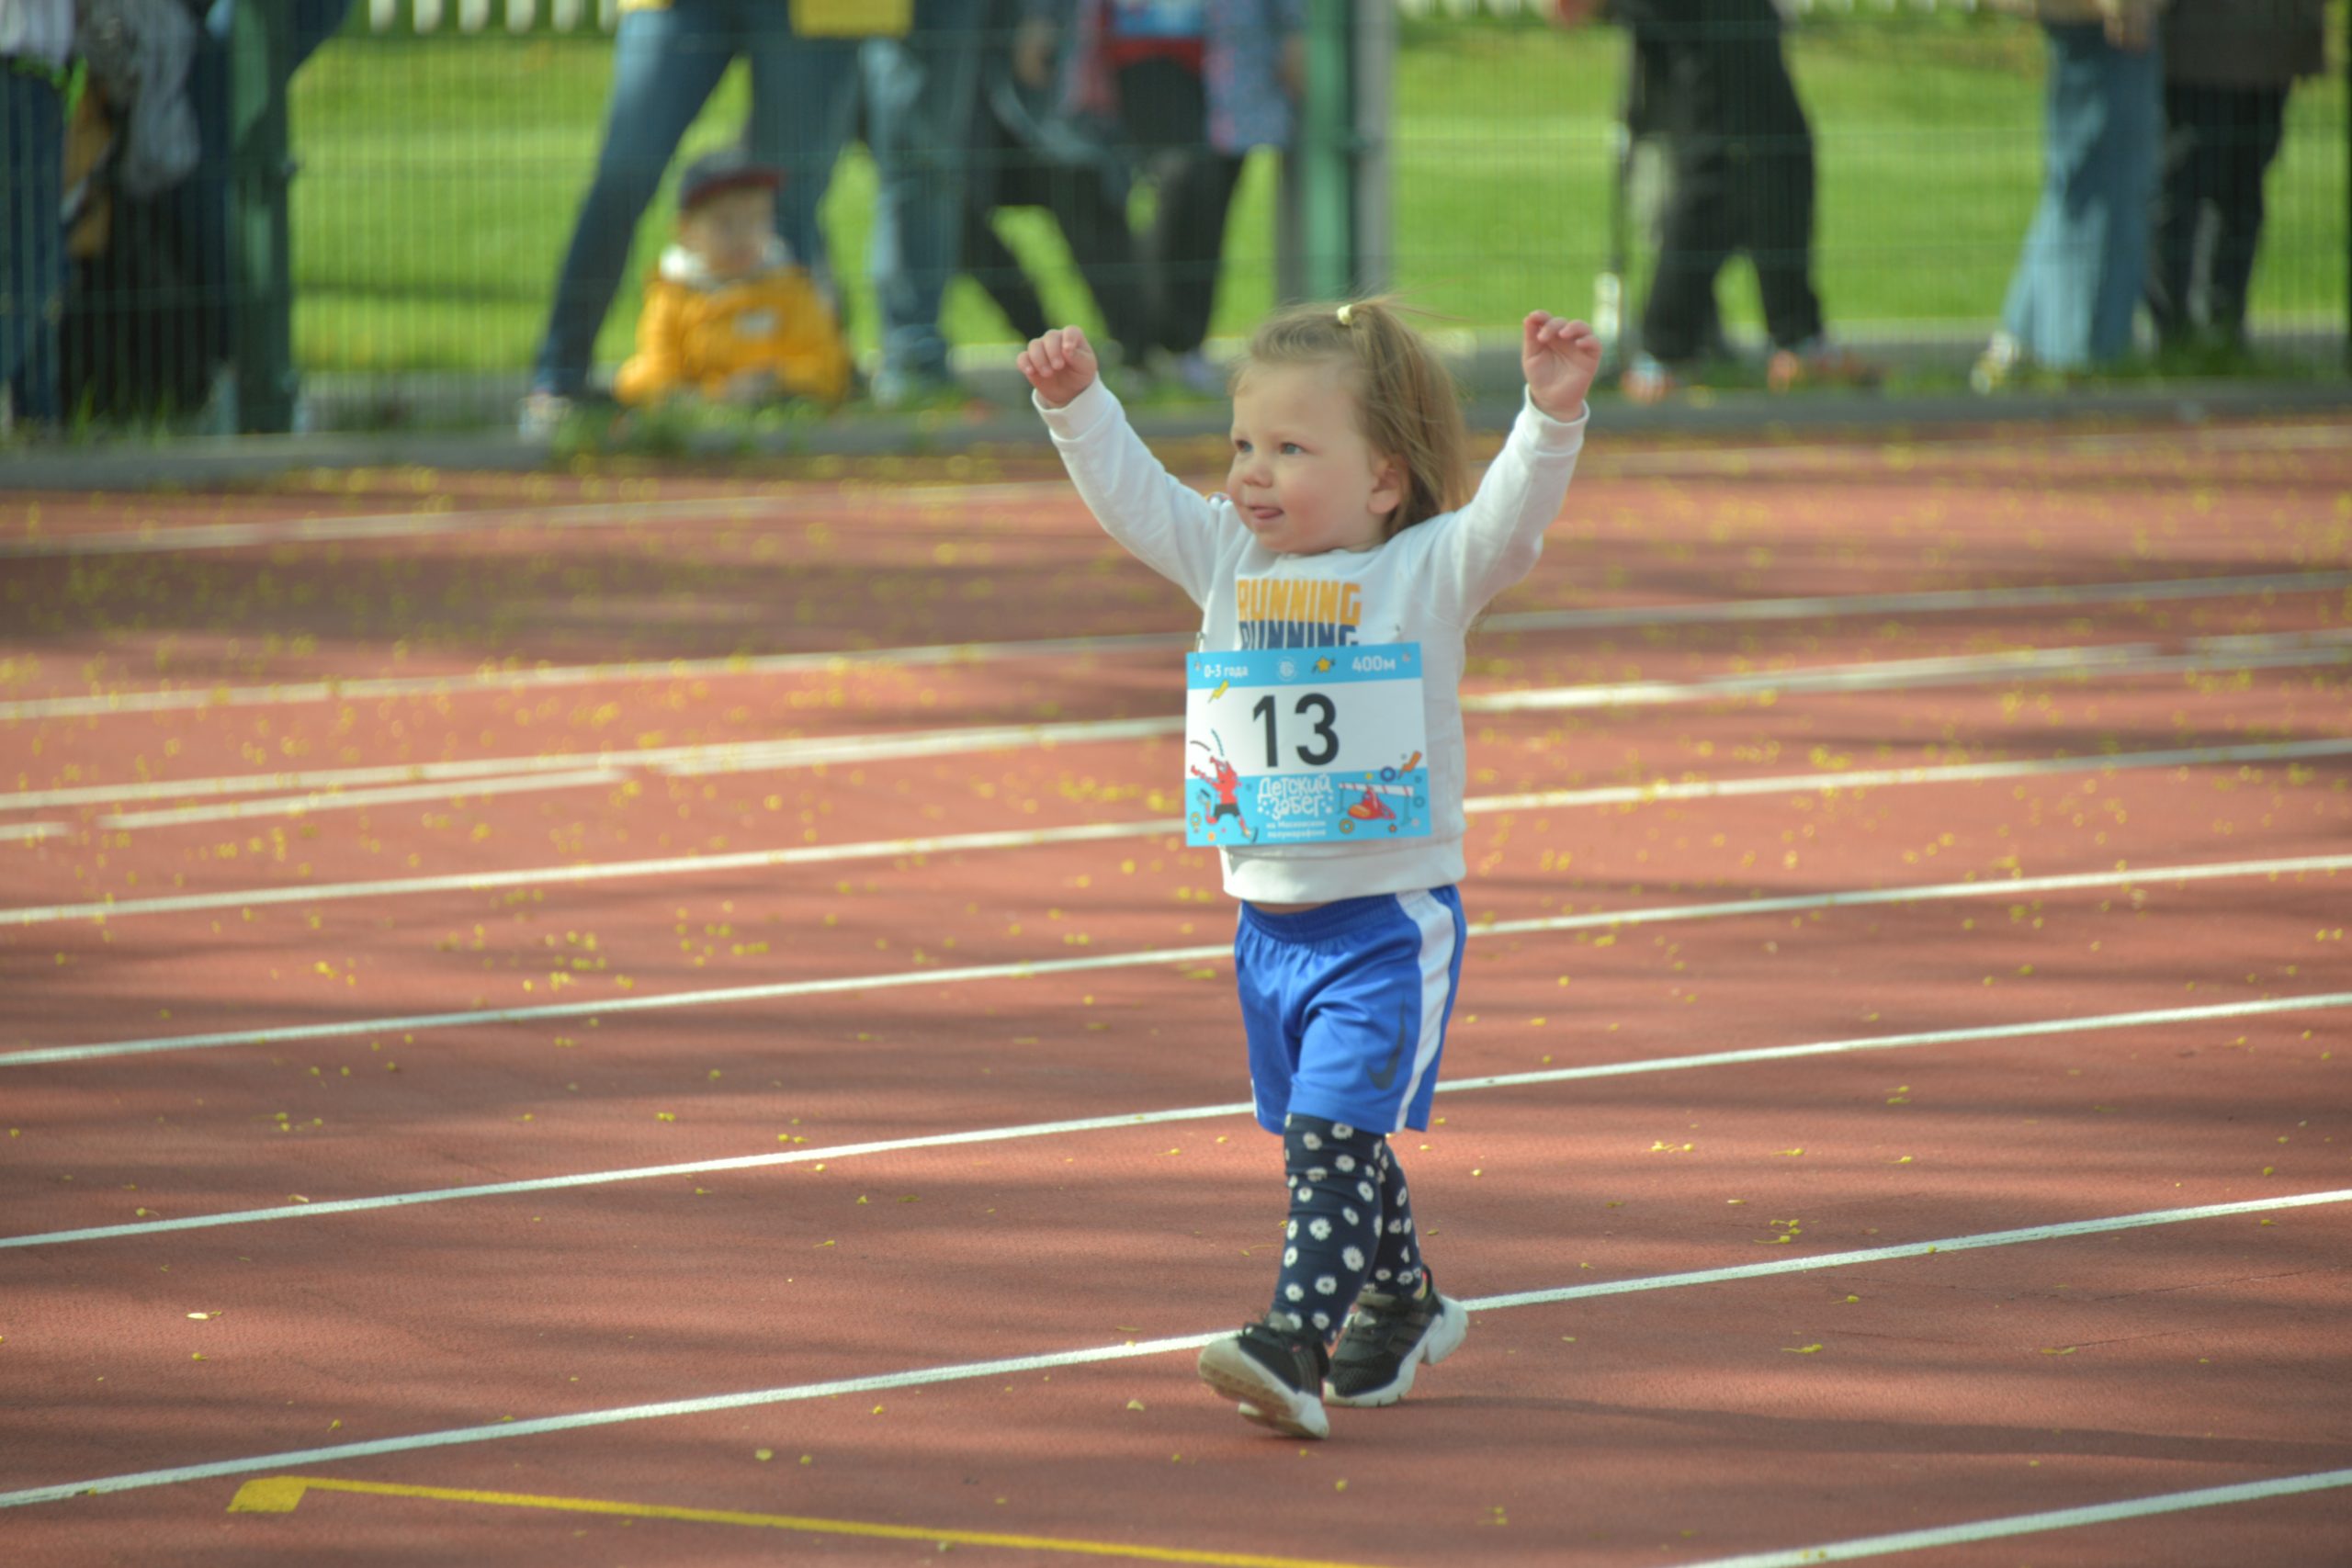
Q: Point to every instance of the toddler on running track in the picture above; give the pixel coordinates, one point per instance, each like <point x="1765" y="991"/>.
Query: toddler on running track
<point x="1337" y="575"/>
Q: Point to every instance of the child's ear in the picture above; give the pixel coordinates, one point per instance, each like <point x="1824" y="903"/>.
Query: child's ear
<point x="1388" y="484"/>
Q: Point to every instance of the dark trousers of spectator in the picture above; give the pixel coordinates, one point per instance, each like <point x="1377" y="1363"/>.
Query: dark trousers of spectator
<point x="150" y="320"/>
<point x="1093" y="222"/>
<point x="1163" y="115"/>
<point x="2219" y="142"/>
<point x="1743" y="179"/>
<point x="32" y="243"/>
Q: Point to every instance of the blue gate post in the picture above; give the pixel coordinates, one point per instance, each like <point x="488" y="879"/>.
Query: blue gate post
<point x="260" y="62"/>
<point x="1331" y="220"/>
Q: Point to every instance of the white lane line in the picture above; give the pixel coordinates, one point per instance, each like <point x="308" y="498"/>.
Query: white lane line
<point x="179" y="698"/>
<point x="550" y="875"/>
<point x="1920" y="603"/>
<point x="2330" y="646"/>
<point x="790" y="507"/>
<point x="179" y="540"/>
<point x="1723" y="611"/>
<point x="14" y="832"/>
<point x="766" y="756"/>
<point x="1882" y="778"/>
<point x="678" y="866"/>
<point x="2033" y="1524"/>
<point x="968" y="1371"/>
<point x="819" y="750"/>
<point x="1036" y="968"/>
<point x="454" y="792"/>
<point x="2029" y="1029"/>
<point x="2267" y="652"/>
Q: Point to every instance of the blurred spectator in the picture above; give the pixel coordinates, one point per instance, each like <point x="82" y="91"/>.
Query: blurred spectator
<point x="1714" y="81"/>
<point x="729" y="314"/>
<point x="36" y="40"/>
<point x="1027" y="153"/>
<point x="1192" y="86"/>
<point x="667" y="59"/>
<point x="2085" y="262"/>
<point x="152" y="292"/>
<point x="2229" y="65"/>
<point x="920" y="93"/>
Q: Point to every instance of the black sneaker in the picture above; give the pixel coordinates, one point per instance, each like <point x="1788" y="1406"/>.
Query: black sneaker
<point x="1385" y="1338"/>
<point x="1277" y="1378"/>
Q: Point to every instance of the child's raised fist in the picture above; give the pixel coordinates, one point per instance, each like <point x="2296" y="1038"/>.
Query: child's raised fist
<point x="1561" y="357"/>
<point x="1060" y="365"/>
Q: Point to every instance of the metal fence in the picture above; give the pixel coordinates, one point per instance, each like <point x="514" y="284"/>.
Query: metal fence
<point x="571" y="16"/>
<point x="441" y="148"/>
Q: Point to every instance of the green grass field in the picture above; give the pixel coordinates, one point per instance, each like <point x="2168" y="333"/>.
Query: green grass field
<point x="440" y="176"/>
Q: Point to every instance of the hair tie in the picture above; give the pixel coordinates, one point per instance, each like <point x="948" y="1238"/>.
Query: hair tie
<point x="1347" y="317"/>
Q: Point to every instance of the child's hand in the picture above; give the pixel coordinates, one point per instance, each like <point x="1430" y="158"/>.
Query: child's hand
<point x="1061" y="366"/>
<point x="1561" y="357"/>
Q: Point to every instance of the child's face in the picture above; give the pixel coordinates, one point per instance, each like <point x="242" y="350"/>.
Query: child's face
<point x="1304" y="477"/>
<point x="728" y="233"/>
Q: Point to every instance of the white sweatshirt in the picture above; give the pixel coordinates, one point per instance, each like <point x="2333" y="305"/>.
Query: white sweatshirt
<point x="1425" y="585"/>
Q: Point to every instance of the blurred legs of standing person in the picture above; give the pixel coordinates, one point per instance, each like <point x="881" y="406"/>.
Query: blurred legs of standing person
<point x="2219" y="142"/>
<point x="921" y="92"/>
<point x="1742" y="156"/>
<point x="2085" y="261"/>
<point x="666" y="61"/>
<point x="1163" y="112"/>
<point x="1082" y="187"/>
<point x="32" y="241"/>
<point x="2228" y="68"/>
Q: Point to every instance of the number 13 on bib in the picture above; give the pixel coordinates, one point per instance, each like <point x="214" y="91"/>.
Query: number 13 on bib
<point x="1304" y="746"/>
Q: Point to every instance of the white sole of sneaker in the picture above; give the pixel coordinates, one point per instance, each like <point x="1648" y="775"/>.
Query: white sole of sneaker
<point x="1263" y="1397"/>
<point x="1444" y="1338"/>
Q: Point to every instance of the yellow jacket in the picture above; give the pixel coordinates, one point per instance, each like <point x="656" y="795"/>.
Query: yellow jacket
<point x="697" y="335"/>
<point x="829" y="18"/>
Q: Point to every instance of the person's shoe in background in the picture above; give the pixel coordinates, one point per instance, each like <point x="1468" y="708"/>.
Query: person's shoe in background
<point x="1649" y="380"/>
<point x="1198" y="375"/>
<point x="541" y="414"/>
<point x="1998" y="365"/>
<point x="1817" y="362"/>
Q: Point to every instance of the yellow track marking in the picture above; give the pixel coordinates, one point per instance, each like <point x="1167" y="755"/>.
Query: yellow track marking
<point x="280" y="1494"/>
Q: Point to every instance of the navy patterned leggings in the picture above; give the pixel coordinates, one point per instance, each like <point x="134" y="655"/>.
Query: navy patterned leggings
<point x="1350" y="1225"/>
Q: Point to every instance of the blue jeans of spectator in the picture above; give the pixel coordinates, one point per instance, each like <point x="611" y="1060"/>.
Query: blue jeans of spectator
<point x="32" y="241"/>
<point x="2086" y="257"/>
<point x="666" y="63"/>
<point x="922" y="93"/>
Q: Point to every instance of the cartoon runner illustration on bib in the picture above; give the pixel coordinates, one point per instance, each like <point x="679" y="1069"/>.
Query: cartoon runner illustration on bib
<point x="1227" y="782"/>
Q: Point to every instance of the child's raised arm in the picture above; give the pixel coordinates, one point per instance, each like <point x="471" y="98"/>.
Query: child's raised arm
<point x="1060" y="365"/>
<point x="1561" y="357"/>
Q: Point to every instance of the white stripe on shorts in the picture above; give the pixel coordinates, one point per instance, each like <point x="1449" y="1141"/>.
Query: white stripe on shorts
<point x="1440" y="937"/>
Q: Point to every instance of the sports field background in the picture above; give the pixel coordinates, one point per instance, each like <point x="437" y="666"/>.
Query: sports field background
<point x="440" y="174"/>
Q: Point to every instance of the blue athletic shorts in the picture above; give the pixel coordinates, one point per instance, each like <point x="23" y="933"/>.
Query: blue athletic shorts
<point x="1346" y="1006"/>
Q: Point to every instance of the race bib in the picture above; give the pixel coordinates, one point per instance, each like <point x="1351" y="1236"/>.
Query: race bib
<point x="1304" y="746"/>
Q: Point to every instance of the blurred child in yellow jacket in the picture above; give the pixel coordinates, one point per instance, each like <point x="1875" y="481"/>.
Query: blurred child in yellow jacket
<point x="730" y="315"/>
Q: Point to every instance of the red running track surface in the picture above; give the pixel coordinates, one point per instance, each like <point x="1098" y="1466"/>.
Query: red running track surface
<point x="403" y="795"/>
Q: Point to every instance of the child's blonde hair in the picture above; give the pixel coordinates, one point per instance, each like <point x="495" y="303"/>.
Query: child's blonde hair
<point x="1406" y="405"/>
